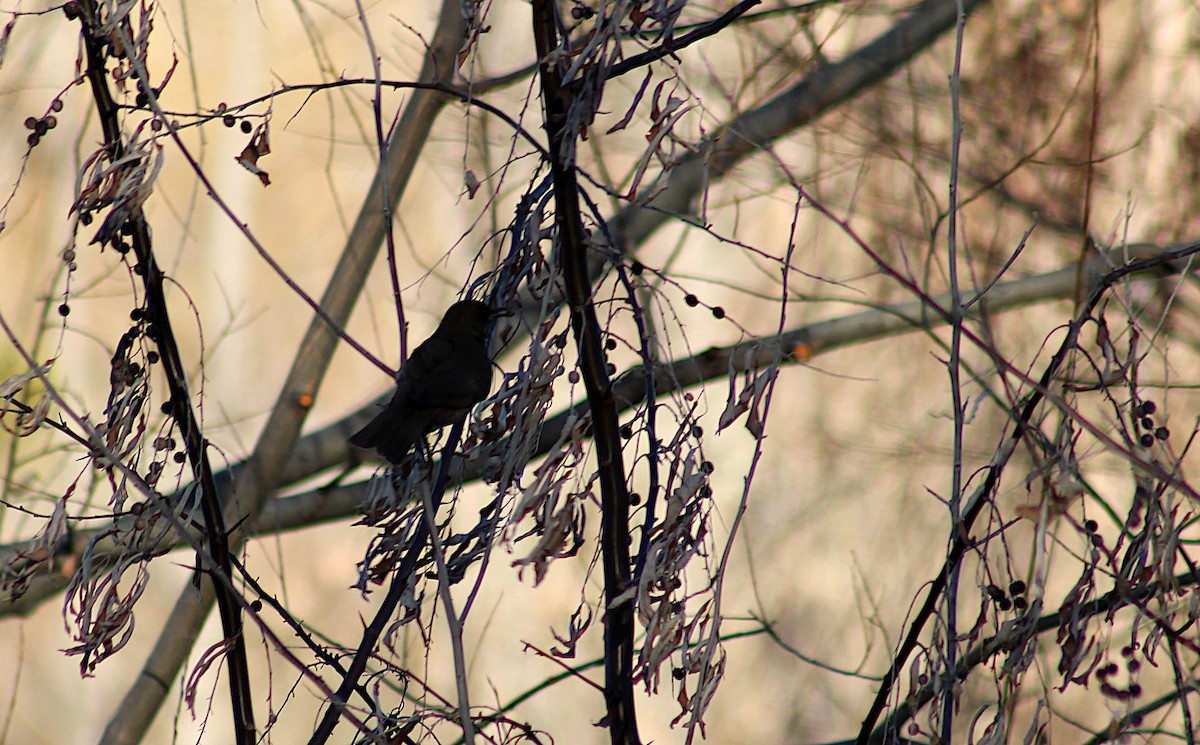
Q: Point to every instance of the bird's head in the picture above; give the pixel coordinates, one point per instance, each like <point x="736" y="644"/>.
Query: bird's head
<point x="469" y="317"/>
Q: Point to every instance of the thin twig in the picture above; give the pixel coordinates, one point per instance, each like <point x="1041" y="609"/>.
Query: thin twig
<point x="975" y="504"/>
<point x="954" y="363"/>
<point x="385" y="202"/>
<point x="324" y="449"/>
<point x="453" y="622"/>
<point x="983" y="291"/>
<point x="196" y="445"/>
<point x="674" y="44"/>
<point x="275" y="445"/>
<point x="404" y="574"/>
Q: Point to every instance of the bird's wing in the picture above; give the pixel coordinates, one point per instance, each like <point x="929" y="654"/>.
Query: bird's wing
<point x="443" y="373"/>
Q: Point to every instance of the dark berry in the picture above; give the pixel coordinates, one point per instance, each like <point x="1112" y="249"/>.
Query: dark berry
<point x="610" y="344"/>
<point x="1148" y="408"/>
<point x="636" y="267"/>
<point x="246" y="127"/>
<point x="1090" y="526"/>
<point x="1146" y="440"/>
<point x="1147" y="423"/>
<point x="718" y="312"/>
<point x="691" y="300"/>
<point x="64" y="310"/>
<point x="1017" y="588"/>
<point x="1162" y="433"/>
<point x="228" y="120"/>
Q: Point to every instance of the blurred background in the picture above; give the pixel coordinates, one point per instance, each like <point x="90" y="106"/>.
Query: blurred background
<point x="1078" y="130"/>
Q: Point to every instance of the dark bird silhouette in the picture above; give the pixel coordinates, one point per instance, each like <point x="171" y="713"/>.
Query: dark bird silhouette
<point x="444" y="377"/>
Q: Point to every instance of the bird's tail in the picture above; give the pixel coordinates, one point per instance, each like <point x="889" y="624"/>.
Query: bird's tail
<point x="389" y="435"/>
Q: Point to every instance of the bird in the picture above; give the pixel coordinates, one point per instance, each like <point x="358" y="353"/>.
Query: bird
<point x="442" y="380"/>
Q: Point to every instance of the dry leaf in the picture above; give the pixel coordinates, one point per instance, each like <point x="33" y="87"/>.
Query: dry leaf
<point x="257" y="148"/>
